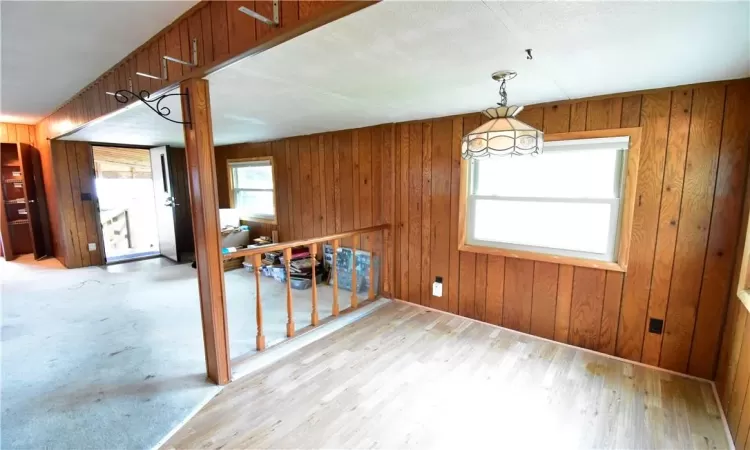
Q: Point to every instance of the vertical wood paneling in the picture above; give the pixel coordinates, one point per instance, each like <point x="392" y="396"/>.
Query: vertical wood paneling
<point x="415" y="212"/>
<point x="219" y="29"/>
<point x="306" y="229"/>
<point x="669" y="216"/>
<point x="207" y="33"/>
<point x="564" y="299"/>
<point x="724" y="231"/>
<point x="655" y="110"/>
<point x="441" y="210"/>
<point x="586" y="307"/>
<point x="519" y="283"/>
<point x="455" y="175"/>
<point x="77" y="208"/>
<point x="495" y="289"/>
<point x="610" y="312"/>
<point x="467" y="286"/>
<point x="426" y="211"/>
<point x="315" y="187"/>
<point x="544" y="299"/>
<point x="403" y="255"/>
<point x="466" y="261"/>
<point x="241" y="26"/>
<point x="695" y="220"/>
<point x="356" y="177"/>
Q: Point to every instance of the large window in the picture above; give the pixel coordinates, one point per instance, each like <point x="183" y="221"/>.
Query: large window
<point x="252" y="188"/>
<point x="571" y="204"/>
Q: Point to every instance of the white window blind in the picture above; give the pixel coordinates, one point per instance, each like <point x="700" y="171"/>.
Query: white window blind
<point x="252" y="189"/>
<point x="565" y="202"/>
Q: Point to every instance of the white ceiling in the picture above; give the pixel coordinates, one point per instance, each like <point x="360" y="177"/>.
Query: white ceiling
<point x="50" y="50"/>
<point x="398" y="61"/>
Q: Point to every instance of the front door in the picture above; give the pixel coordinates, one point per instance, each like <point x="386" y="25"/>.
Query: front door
<point x="164" y="202"/>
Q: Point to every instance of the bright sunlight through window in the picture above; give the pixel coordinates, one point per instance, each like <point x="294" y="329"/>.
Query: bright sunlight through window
<point x="565" y="202"/>
<point x="252" y="188"/>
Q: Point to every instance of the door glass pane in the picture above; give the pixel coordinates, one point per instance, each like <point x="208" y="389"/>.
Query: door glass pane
<point x="591" y="174"/>
<point x="254" y="203"/>
<point x="583" y="227"/>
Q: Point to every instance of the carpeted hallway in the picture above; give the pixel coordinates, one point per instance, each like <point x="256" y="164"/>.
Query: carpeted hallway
<point x="113" y="358"/>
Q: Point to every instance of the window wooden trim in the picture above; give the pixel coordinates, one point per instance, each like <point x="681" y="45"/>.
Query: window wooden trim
<point x="230" y="180"/>
<point x="626" y="213"/>
<point x="742" y="276"/>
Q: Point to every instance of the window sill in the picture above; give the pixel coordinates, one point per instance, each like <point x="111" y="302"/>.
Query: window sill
<point x="544" y="257"/>
<point x="259" y="220"/>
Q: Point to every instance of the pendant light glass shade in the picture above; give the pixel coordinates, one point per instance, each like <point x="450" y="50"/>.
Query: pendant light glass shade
<point x="503" y="135"/>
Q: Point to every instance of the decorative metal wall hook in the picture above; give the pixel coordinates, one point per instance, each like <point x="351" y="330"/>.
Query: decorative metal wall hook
<point x="528" y="54"/>
<point x="125" y="96"/>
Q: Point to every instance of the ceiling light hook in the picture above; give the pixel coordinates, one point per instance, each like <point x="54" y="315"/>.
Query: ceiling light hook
<point x="528" y="54"/>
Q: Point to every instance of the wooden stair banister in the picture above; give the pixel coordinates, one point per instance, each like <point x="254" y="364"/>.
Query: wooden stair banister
<point x="314" y="314"/>
<point x="335" y="276"/>
<point x="289" y="303"/>
<point x="300" y="243"/>
<point x="260" y="339"/>
<point x="355" y="244"/>
<point x="371" y="290"/>
<point x="314" y="245"/>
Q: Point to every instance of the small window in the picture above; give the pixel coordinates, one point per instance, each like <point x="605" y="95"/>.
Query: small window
<point x="566" y="205"/>
<point x="252" y="188"/>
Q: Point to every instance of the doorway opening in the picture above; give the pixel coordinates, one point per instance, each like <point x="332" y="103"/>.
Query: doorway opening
<point x="127" y="205"/>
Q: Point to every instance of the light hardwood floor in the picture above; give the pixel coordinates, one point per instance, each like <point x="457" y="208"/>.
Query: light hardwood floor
<point x="408" y="377"/>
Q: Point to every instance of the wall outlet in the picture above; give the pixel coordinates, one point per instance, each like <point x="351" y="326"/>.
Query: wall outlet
<point x="437" y="287"/>
<point x="92" y="246"/>
<point x="655" y="325"/>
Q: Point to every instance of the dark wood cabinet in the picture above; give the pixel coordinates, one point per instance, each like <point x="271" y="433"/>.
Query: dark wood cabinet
<point x="24" y="224"/>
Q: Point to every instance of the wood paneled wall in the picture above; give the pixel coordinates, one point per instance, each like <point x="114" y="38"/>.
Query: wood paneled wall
<point x="11" y="132"/>
<point x="693" y="167"/>
<point x="733" y="372"/>
<point x="78" y="220"/>
<point x="325" y="183"/>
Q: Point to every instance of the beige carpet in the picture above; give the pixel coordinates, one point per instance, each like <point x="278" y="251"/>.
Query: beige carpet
<point x="113" y="358"/>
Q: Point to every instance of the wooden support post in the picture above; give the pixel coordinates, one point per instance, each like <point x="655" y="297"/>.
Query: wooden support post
<point x="289" y="304"/>
<point x="260" y="339"/>
<point x="335" y="275"/>
<point x="371" y="284"/>
<point x="314" y="316"/>
<point x="355" y="244"/>
<point x="204" y="200"/>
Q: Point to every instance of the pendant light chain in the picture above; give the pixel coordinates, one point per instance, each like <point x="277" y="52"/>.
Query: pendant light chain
<point x="503" y="94"/>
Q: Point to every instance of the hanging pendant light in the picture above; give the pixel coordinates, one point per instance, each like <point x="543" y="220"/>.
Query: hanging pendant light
<point x="503" y="135"/>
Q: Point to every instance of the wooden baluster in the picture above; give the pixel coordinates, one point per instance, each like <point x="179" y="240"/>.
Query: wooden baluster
<point x="314" y="317"/>
<point x="260" y="339"/>
<point x="335" y="275"/>
<point x="355" y="244"/>
<point x="386" y="277"/>
<point x="371" y="290"/>
<point x="289" y="305"/>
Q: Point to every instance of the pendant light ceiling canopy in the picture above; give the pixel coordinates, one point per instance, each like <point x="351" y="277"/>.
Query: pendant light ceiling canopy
<point x="503" y="134"/>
